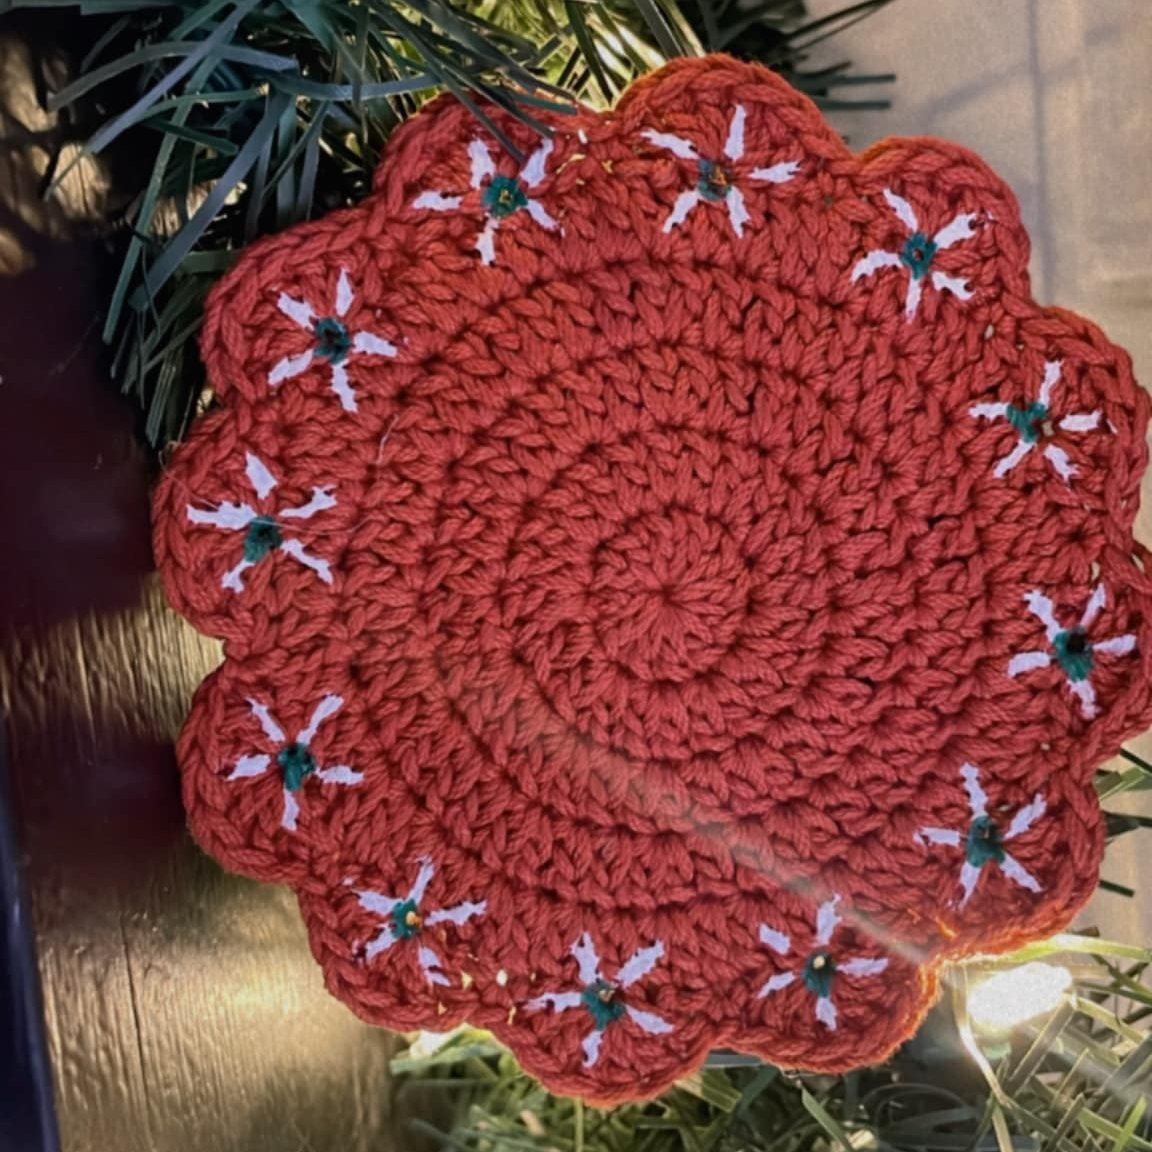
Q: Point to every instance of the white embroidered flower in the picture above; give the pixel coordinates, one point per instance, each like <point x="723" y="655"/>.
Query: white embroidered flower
<point x="715" y="182"/>
<point x="1071" y="648"/>
<point x="1035" y="423"/>
<point x="983" y="841"/>
<point x="601" y="998"/>
<point x="333" y="340"/>
<point x="500" y="195"/>
<point x="294" y="759"/>
<point x="917" y="254"/>
<point x="821" y="966"/>
<point x="264" y="532"/>
<point x="404" y="920"/>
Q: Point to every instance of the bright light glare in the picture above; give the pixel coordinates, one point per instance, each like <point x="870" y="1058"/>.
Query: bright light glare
<point x="1017" y="994"/>
<point x="427" y="1044"/>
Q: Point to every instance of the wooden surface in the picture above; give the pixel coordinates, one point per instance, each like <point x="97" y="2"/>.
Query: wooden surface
<point x="183" y="1009"/>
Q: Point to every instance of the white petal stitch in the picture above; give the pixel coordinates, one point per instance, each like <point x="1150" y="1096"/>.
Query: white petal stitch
<point x="1071" y="648"/>
<point x="1035" y="425"/>
<point x="294" y="760"/>
<point x="264" y="533"/>
<point x="715" y="180"/>
<point x="917" y="254"/>
<point x="500" y="196"/>
<point x="602" y="998"/>
<point x="258" y="475"/>
<point x="822" y="965"/>
<point x="334" y="342"/>
<point x="984" y="839"/>
<point x="404" y="920"/>
<point x="777" y="941"/>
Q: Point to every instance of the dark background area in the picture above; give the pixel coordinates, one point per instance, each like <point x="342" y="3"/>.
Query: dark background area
<point x="181" y="1006"/>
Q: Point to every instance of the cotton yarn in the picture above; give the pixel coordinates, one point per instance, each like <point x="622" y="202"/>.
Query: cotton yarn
<point x="676" y="584"/>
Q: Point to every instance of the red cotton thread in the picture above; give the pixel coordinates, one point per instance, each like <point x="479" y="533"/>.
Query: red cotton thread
<point x="676" y="585"/>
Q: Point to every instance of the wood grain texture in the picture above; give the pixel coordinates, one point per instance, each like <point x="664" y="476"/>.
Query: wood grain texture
<point x="183" y="1008"/>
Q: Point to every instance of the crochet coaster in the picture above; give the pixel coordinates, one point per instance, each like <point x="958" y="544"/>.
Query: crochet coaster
<point x="676" y="584"/>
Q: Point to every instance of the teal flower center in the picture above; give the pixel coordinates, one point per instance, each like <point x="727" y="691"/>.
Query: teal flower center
<point x="332" y="339"/>
<point x="503" y="196"/>
<point x="819" y="969"/>
<point x="1074" y="652"/>
<point x="263" y="536"/>
<point x="406" y="920"/>
<point x="985" y="843"/>
<point x="917" y="254"/>
<point x="1028" y="422"/>
<point x="601" y="1001"/>
<point x="296" y="763"/>
<point x="715" y="181"/>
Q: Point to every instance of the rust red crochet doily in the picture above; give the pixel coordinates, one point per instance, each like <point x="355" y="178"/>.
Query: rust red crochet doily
<point x="676" y="585"/>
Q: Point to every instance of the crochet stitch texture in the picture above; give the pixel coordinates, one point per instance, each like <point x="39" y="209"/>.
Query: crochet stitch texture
<point x="676" y="585"/>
